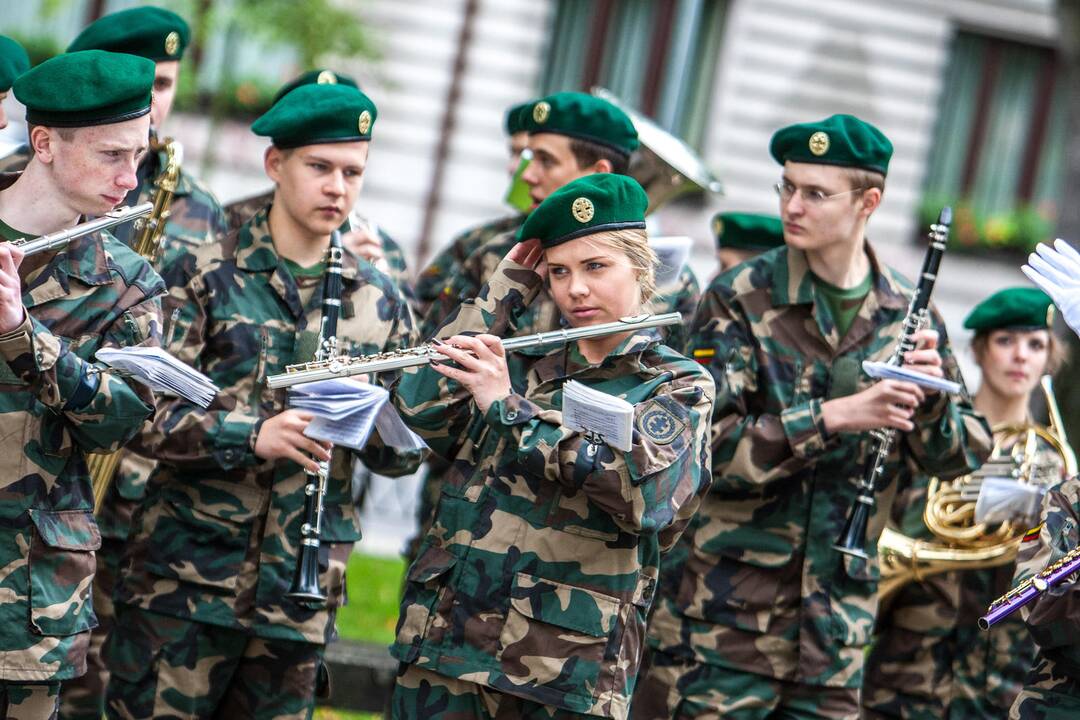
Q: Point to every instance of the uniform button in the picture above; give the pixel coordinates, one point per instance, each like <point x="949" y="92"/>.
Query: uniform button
<point x="230" y="454"/>
<point x="511" y="415"/>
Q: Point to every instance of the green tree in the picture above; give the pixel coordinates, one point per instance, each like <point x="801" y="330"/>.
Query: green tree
<point x="316" y="28"/>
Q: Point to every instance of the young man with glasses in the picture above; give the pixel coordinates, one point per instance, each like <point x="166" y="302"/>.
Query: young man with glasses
<point x="759" y="616"/>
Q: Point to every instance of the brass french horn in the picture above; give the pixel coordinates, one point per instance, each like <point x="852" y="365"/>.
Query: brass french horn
<point x="962" y="543"/>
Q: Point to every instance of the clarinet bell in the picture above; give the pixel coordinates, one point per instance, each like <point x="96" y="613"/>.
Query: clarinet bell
<point x="852" y="540"/>
<point x="305" y="588"/>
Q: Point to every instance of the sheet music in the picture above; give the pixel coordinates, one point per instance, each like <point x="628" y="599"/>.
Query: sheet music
<point x="163" y="373"/>
<point x="593" y="411"/>
<point x="347" y="411"/>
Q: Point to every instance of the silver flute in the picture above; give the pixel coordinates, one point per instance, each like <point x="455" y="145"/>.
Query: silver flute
<point x="347" y="366"/>
<point x="60" y="238"/>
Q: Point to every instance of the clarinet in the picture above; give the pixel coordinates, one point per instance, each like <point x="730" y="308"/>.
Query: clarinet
<point x="305" y="588"/>
<point x="852" y="540"/>
<point x="1031" y="589"/>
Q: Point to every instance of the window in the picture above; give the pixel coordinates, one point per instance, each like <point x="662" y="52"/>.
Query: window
<point x="1001" y="127"/>
<point x="658" y="56"/>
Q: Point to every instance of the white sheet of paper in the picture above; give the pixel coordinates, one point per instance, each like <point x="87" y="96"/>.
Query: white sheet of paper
<point x="885" y="371"/>
<point x="347" y="411"/>
<point x="162" y="372"/>
<point x="588" y="410"/>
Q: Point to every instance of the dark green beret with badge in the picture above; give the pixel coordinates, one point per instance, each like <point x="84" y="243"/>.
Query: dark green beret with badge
<point x="91" y="87"/>
<point x="592" y="204"/>
<point x="13" y="62"/>
<point x="1016" y="308"/>
<point x="315" y="77"/>
<point x="515" y="118"/>
<point x="747" y="231"/>
<point x="583" y="116"/>
<point x="316" y="114"/>
<point x="842" y="140"/>
<point x="151" y="32"/>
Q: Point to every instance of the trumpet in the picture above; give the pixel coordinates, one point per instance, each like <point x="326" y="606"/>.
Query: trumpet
<point x="346" y="366"/>
<point x="60" y="238"/>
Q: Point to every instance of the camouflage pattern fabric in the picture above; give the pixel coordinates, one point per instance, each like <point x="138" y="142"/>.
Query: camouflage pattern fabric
<point x="421" y="693"/>
<point x="445" y="266"/>
<point x="96" y="293"/>
<point x="240" y="211"/>
<point x="929" y="659"/>
<point x="216" y="539"/>
<point x="681" y="296"/>
<point x="168" y="667"/>
<point x="1052" y="688"/>
<point x="29" y="702"/>
<point x="679" y="688"/>
<point x="760" y="589"/>
<point x="539" y="570"/>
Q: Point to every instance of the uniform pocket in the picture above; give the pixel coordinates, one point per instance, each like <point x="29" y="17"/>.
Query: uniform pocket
<point x="558" y="635"/>
<point x="853" y="601"/>
<point x="732" y="592"/>
<point x="425" y="585"/>
<point x="62" y="564"/>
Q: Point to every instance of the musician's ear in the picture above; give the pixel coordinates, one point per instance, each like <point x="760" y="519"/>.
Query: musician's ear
<point x="42" y="141"/>
<point x="272" y="162"/>
<point x="871" y="198"/>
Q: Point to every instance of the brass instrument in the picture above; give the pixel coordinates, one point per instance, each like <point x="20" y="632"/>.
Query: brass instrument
<point x="151" y="229"/>
<point x="347" y="366"/>
<point x="950" y="507"/>
<point x="664" y="165"/>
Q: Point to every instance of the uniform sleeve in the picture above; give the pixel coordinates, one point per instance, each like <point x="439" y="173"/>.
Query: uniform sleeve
<point x="950" y="439"/>
<point x="749" y="449"/>
<point x="1054" y="619"/>
<point x="184" y="434"/>
<point x="102" y="410"/>
<point x="377" y="456"/>
<point x="438" y="409"/>
<point x="643" y="490"/>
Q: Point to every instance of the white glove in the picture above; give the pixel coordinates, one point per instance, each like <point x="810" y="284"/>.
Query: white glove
<point x="1057" y="271"/>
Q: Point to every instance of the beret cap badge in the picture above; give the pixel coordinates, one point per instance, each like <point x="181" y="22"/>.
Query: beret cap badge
<point x="541" y="111"/>
<point x="326" y="77"/>
<point x="172" y="43"/>
<point x="582" y="209"/>
<point x="819" y="143"/>
<point x="364" y="122"/>
<point x="1050" y="316"/>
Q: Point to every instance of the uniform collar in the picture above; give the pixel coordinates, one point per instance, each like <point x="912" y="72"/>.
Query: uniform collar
<point x="793" y="282"/>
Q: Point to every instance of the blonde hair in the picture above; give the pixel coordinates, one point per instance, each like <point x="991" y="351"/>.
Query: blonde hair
<point x="634" y="243"/>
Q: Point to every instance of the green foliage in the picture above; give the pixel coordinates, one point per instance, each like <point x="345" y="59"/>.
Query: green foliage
<point x="316" y="28"/>
<point x="323" y="713"/>
<point x="246" y="98"/>
<point x="38" y="47"/>
<point x="374" y="587"/>
<point x="1018" y="230"/>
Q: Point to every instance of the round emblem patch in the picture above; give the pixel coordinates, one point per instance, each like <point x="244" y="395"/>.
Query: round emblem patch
<point x="326" y="77"/>
<point x="583" y="210"/>
<point x="541" y="110"/>
<point x="364" y="123"/>
<point x="819" y="143"/>
<point x="659" y="425"/>
<point x="172" y="43"/>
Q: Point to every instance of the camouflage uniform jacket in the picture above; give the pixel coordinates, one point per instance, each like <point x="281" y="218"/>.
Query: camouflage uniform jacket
<point x="928" y="644"/>
<point x="761" y="589"/>
<point x="542" y="315"/>
<point x="445" y="266"/>
<point x="539" y="570"/>
<point x="216" y="538"/>
<point x="240" y="211"/>
<point x="1053" y="685"/>
<point x="96" y="293"/>
<point x="195" y="218"/>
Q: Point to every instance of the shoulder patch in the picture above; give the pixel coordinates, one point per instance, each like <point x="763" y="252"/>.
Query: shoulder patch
<point x="659" y="424"/>
<point x="1032" y="534"/>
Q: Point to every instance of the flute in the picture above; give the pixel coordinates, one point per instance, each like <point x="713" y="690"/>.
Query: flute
<point x="346" y="366"/>
<point x="60" y="238"/>
<point x="1031" y="589"/>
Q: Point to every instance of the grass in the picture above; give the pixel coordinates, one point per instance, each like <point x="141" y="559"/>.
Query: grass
<point x="322" y="713"/>
<point x="374" y="586"/>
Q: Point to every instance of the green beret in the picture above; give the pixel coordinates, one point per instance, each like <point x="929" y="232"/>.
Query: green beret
<point x="585" y="117"/>
<point x="91" y="87"/>
<point x="151" y="32"/>
<point x="1017" y="308"/>
<point x="316" y="114"/>
<point x="588" y="205"/>
<point x="13" y="62"/>
<point x="747" y="231"/>
<point x="515" y="118"/>
<point x="842" y="140"/>
<point x="314" y="77"/>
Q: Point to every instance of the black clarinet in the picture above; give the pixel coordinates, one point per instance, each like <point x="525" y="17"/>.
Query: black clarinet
<point x="852" y="539"/>
<point x="305" y="583"/>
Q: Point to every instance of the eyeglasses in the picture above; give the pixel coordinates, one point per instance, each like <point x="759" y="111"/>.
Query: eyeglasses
<point x="811" y="197"/>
